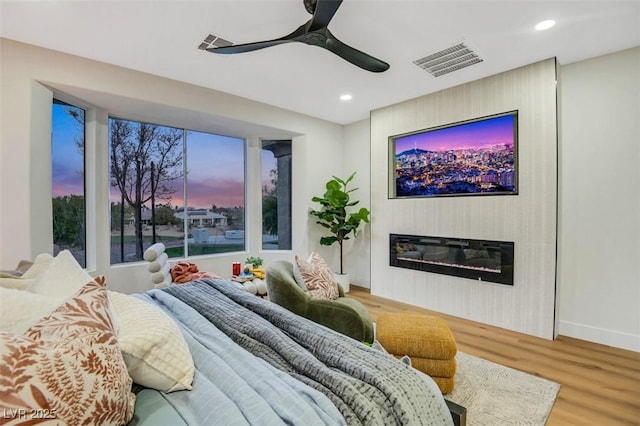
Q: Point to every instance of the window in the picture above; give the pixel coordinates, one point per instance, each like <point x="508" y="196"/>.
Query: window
<point x="276" y="195"/>
<point x="179" y="187"/>
<point x="67" y="178"/>
<point x="215" y="194"/>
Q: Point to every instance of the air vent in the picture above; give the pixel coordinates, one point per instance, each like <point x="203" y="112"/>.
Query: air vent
<point x="213" y="41"/>
<point x="448" y="60"/>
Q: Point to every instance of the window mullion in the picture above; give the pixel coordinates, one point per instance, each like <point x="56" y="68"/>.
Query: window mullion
<point x="185" y="195"/>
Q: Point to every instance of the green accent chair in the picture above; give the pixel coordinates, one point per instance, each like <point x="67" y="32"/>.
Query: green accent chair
<point x="344" y="315"/>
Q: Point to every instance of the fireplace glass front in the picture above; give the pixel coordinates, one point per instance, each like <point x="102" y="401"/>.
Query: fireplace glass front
<point x="481" y="260"/>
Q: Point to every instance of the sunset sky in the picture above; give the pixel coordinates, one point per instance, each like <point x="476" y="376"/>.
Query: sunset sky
<point x="67" y="165"/>
<point x="498" y="130"/>
<point x="212" y="179"/>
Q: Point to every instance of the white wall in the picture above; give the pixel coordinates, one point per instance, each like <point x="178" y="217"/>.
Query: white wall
<point x="528" y="219"/>
<point x="28" y="78"/>
<point x="357" y="158"/>
<point x="598" y="289"/>
<point x="599" y="209"/>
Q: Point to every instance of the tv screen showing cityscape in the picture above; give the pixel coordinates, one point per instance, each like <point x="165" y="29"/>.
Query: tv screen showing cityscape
<point x="474" y="157"/>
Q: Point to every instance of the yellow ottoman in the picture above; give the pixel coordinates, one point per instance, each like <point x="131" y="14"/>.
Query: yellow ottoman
<point x="426" y="339"/>
<point x="433" y="367"/>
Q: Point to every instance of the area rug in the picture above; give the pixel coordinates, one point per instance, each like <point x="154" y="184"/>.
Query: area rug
<point x="495" y="395"/>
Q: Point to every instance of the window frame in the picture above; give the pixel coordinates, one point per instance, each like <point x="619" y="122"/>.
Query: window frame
<point x="286" y="146"/>
<point x="99" y="106"/>
<point x="185" y="246"/>
<point x="64" y="101"/>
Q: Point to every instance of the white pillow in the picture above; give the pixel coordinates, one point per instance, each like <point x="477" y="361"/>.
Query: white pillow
<point x="22" y="309"/>
<point x="52" y="280"/>
<point x="41" y="262"/>
<point x="152" y="345"/>
<point x="18" y="283"/>
<point x="62" y="277"/>
<point x="26" y="280"/>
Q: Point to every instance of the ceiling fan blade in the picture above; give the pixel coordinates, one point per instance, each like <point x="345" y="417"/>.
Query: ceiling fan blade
<point x="355" y="56"/>
<point x="249" y="47"/>
<point x="323" y="13"/>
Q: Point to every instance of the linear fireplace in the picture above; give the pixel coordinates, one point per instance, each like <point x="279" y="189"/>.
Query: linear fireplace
<point x="482" y="260"/>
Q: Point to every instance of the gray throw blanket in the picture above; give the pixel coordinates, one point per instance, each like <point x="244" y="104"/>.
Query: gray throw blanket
<point x="367" y="386"/>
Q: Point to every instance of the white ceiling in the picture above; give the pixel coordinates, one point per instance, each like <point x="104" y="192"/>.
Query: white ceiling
<point x="161" y="37"/>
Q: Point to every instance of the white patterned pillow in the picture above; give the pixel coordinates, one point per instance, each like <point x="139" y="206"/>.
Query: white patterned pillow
<point x="152" y="345"/>
<point x="68" y="367"/>
<point x="318" y="277"/>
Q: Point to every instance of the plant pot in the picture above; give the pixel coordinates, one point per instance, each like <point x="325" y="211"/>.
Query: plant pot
<point x="344" y="281"/>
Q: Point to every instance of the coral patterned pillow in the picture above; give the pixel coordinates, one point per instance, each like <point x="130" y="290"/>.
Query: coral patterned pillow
<point x="318" y="277"/>
<point x="68" y="367"/>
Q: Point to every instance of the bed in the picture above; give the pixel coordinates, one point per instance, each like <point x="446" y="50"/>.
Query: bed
<point x="291" y="370"/>
<point x="243" y="360"/>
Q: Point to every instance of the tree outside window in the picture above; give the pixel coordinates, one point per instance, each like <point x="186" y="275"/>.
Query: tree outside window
<point x="146" y="160"/>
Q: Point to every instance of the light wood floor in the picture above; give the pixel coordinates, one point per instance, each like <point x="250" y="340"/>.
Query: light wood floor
<point x="600" y="385"/>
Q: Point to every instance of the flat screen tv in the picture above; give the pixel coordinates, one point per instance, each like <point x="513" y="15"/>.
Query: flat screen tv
<point x="473" y="157"/>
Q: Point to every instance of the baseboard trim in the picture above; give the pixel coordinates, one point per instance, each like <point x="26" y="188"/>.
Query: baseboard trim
<point x="603" y="336"/>
<point x="361" y="288"/>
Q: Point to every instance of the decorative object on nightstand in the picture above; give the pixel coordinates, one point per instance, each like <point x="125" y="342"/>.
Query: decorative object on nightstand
<point x="251" y="277"/>
<point x="255" y="265"/>
<point x="335" y="217"/>
<point x="254" y="261"/>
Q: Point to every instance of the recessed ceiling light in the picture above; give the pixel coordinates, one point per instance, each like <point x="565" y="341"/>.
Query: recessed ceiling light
<point x="545" y="25"/>
<point x="346" y="97"/>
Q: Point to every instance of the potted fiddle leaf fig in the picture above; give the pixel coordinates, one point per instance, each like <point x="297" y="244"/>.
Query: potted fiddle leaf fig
<point x="338" y="215"/>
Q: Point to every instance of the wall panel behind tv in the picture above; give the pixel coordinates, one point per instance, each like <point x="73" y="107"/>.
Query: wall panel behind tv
<point x="528" y="219"/>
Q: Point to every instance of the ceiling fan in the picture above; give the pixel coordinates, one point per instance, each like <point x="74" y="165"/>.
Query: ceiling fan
<point x="315" y="33"/>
